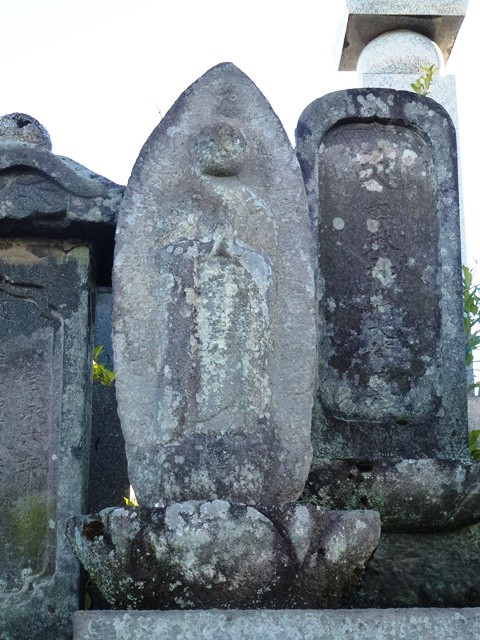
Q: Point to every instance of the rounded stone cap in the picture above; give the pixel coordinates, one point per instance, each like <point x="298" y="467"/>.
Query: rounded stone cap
<point x="24" y="128"/>
<point x="399" y="52"/>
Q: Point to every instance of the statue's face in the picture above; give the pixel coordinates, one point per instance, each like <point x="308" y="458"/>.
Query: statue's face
<point x="220" y="149"/>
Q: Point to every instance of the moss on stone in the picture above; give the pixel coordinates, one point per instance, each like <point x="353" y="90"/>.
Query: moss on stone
<point x="29" y="517"/>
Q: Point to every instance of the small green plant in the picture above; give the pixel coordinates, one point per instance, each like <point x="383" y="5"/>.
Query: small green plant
<point x="100" y="372"/>
<point x="423" y="82"/>
<point x="473" y="444"/>
<point x="471" y="317"/>
<point x="87" y="603"/>
<point x="471" y="326"/>
<point x="130" y="503"/>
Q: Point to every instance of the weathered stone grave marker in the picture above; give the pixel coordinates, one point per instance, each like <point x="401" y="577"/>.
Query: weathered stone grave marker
<point x="380" y="172"/>
<point x="49" y="209"/>
<point x="44" y="308"/>
<point x="214" y="338"/>
<point x="214" y="318"/>
<point x="383" y="321"/>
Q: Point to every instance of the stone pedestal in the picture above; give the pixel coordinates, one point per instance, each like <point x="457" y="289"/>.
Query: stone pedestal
<point x="200" y="555"/>
<point x="369" y="624"/>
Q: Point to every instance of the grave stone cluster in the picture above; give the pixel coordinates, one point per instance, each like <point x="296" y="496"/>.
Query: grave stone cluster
<point x="289" y="351"/>
<point x="214" y="328"/>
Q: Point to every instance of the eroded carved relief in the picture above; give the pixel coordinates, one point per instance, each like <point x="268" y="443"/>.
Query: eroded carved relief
<point x="214" y="310"/>
<point x="29" y="425"/>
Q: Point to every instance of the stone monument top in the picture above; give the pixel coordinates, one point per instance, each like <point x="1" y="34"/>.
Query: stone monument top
<point x="365" y="20"/>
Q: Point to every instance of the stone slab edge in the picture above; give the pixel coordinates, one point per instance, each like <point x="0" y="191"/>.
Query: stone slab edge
<point x="340" y="624"/>
<point x="360" y="21"/>
<point x="408" y="7"/>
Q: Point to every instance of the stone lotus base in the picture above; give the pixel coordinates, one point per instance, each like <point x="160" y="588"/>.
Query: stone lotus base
<point x="223" y="555"/>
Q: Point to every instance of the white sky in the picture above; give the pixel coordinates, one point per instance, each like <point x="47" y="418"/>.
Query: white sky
<point x="95" y="73"/>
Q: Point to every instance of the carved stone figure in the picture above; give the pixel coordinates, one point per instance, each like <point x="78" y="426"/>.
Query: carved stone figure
<point x="214" y="312"/>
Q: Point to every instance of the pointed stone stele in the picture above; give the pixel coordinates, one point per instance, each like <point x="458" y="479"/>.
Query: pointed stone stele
<point x="214" y="339"/>
<point x="214" y="310"/>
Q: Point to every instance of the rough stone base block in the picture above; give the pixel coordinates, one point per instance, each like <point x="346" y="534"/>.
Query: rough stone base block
<point x="340" y="624"/>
